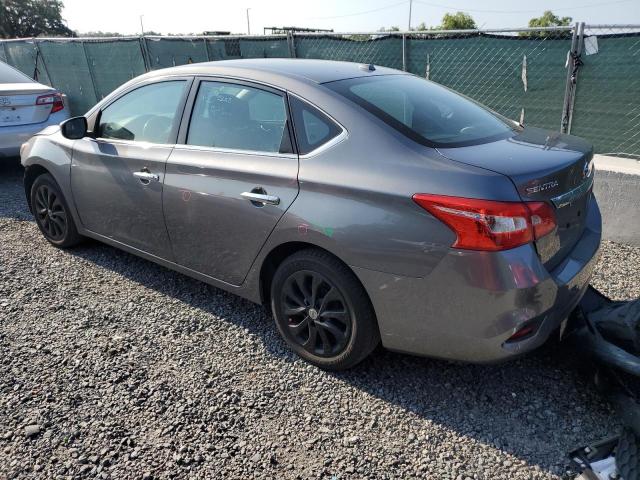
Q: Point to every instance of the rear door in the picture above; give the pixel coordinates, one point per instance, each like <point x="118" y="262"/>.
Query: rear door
<point x="117" y="177"/>
<point x="230" y="178"/>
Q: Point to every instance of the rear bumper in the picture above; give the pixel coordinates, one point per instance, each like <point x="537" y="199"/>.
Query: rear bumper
<point x="11" y="138"/>
<point x="472" y="302"/>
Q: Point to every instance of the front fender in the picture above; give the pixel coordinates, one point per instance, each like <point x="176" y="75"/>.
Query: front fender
<point x="51" y="153"/>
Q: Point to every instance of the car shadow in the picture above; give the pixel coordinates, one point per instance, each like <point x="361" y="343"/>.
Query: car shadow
<point x="536" y="408"/>
<point x="507" y="406"/>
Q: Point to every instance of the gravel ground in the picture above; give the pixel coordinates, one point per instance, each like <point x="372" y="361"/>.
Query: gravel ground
<point x="113" y="367"/>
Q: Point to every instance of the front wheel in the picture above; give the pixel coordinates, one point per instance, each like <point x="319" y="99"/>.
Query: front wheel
<point x="322" y="311"/>
<point x="52" y="213"/>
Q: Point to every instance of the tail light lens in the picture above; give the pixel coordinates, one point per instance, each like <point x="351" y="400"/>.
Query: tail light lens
<point x="53" y="99"/>
<point x="487" y="224"/>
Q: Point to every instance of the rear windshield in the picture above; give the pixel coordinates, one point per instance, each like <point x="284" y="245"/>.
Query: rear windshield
<point x="424" y="111"/>
<point x="11" y="75"/>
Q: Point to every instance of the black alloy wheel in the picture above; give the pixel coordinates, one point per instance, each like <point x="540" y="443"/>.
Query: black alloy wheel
<point x="50" y="213"/>
<point x="322" y="310"/>
<point x="318" y="317"/>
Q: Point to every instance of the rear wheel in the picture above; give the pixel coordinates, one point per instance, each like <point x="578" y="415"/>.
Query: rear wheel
<point x="322" y="311"/>
<point x="52" y="213"/>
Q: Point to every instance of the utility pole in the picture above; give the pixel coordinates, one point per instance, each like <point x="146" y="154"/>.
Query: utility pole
<point x="248" y="25"/>
<point x="410" y="5"/>
<point x="141" y="25"/>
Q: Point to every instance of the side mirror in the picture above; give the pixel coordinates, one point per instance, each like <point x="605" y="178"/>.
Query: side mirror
<point x="74" y="128"/>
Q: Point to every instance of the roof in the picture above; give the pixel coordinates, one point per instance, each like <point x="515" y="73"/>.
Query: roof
<point x="317" y="71"/>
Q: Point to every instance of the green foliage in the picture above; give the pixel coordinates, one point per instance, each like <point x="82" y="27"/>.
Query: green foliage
<point x="32" y="18"/>
<point x="458" y="21"/>
<point x="450" y="21"/>
<point x="548" y="19"/>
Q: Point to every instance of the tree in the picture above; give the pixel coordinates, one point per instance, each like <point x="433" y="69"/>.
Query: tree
<point x="548" y="19"/>
<point x="458" y="21"/>
<point x="394" y="28"/>
<point x="32" y="18"/>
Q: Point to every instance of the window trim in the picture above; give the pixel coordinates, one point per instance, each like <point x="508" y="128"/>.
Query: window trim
<point x="343" y="135"/>
<point x="176" y="120"/>
<point x="190" y="104"/>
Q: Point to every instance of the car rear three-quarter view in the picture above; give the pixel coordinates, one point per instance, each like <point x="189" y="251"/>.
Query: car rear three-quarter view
<point x="26" y="107"/>
<point x="362" y="204"/>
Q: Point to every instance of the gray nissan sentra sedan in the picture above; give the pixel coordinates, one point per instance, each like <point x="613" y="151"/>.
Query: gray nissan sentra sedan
<point x="364" y="204"/>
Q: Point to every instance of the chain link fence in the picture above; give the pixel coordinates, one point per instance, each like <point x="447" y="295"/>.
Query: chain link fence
<point x="607" y="104"/>
<point x="582" y="79"/>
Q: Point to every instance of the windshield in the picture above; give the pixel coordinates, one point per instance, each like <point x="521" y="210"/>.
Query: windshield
<point x="424" y="111"/>
<point x="11" y="75"/>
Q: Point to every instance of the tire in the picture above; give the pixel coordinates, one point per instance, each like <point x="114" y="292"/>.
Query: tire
<point x="628" y="455"/>
<point x="52" y="213"/>
<point x="322" y="311"/>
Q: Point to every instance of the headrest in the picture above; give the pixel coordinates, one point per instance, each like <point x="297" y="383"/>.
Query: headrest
<point x="228" y="109"/>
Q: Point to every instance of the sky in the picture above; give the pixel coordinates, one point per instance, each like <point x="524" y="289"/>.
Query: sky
<point x="196" y="16"/>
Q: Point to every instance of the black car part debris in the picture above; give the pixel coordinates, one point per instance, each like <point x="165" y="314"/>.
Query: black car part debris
<point x="608" y="333"/>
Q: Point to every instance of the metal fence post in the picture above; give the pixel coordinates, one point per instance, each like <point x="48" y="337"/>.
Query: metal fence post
<point x="91" y="73"/>
<point x="291" y="42"/>
<point x="206" y="48"/>
<point x="404" y="52"/>
<point x="578" y="63"/>
<point x="573" y="61"/>
<point x="145" y="54"/>
<point x="44" y="63"/>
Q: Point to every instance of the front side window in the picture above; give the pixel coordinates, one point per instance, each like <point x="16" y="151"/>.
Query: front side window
<point x="424" y="111"/>
<point x="146" y="114"/>
<point x="313" y="128"/>
<point x="239" y="117"/>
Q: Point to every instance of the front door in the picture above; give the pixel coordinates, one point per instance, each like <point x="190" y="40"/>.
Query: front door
<point x="232" y="178"/>
<point x="117" y="177"/>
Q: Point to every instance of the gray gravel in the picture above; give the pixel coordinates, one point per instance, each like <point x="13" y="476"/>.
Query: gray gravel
<point x="113" y="367"/>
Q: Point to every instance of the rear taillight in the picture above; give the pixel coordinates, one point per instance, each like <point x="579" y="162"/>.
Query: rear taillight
<point x="53" y="99"/>
<point x="488" y="224"/>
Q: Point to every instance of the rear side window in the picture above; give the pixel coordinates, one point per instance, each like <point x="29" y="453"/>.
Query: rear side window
<point x="11" y="75"/>
<point x="239" y="117"/>
<point x="313" y="128"/>
<point x="424" y="111"/>
<point x="145" y="114"/>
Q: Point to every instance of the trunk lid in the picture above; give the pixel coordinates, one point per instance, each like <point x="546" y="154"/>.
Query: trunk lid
<point x="544" y="166"/>
<point x="18" y="104"/>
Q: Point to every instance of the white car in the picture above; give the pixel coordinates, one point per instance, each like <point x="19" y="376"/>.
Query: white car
<point x="26" y="107"/>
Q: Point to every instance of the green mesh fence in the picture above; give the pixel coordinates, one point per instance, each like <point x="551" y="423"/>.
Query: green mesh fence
<point x="114" y="63"/>
<point x="607" y="105"/>
<point x="515" y="75"/>
<point x="512" y="75"/>
<point x="24" y="55"/>
<point x="377" y="49"/>
<point x="69" y="72"/>
<point x="264" y="48"/>
<point x="169" y="52"/>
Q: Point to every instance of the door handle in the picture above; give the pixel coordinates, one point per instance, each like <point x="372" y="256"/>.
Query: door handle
<point x="146" y="176"/>
<point x="262" y="198"/>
